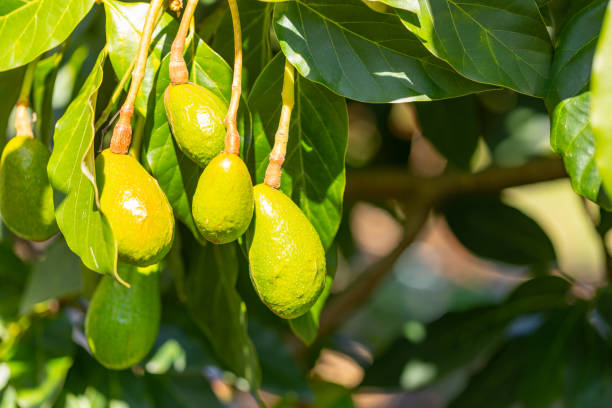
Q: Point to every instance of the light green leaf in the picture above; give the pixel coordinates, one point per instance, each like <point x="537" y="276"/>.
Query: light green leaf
<point x="572" y="137"/>
<point x="410" y="5"/>
<point x="313" y="172"/>
<point x="71" y="173"/>
<point x="33" y="27"/>
<point x="124" y="24"/>
<point x="362" y="54"/>
<point x="497" y="42"/>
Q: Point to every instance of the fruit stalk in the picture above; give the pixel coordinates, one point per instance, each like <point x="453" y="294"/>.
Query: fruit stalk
<point x="23" y="123"/>
<point x="232" y="137"/>
<point x="122" y="134"/>
<point x="277" y="155"/>
<point x="178" y="68"/>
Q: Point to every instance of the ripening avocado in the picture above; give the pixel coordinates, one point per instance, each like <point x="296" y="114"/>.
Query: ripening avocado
<point x="196" y="116"/>
<point x="287" y="260"/>
<point x="122" y="323"/>
<point x="223" y="201"/>
<point x="136" y="207"/>
<point x="26" y="197"/>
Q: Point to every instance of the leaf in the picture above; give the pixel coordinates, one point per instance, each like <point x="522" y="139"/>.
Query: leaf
<point x="571" y="66"/>
<point x="313" y="172"/>
<point x="497" y="231"/>
<point x="490" y="41"/>
<point x="43" y="87"/>
<point x="57" y="275"/>
<point x="572" y="138"/>
<point x="217" y="309"/>
<point x="410" y="5"/>
<point x="86" y="230"/>
<point x="33" y="27"/>
<point x="10" y="84"/>
<point x="13" y="275"/>
<point x="456" y="136"/>
<point x="177" y="175"/>
<point x="362" y="54"/>
<point x="124" y="24"/>
<point x="601" y="101"/>
<point x="256" y="19"/>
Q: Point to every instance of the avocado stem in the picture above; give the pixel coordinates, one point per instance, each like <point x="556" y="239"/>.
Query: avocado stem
<point x="232" y="137"/>
<point x="277" y="155"/>
<point x="122" y="134"/>
<point x="23" y="122"/>
<point x="178" y="68"/>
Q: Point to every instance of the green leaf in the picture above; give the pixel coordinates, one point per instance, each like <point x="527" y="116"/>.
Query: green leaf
<point x="177" y="175"/>
<point x="410" y="5"/>
<point x="601" y="101"/>
<point x="497" y="231"/>
<point x="42" y="100"/>
<point x="124" y="24"/>
<point x="256" y="19"/>
<point x="217" y="309"/>
<point x="572" y="138"/>
<point x="490" y="41"/>
<point x="10" y="84"/>
<point x="13" y="275"/>
<point x="571" y="66"/>
<point x="57" y="275"/>
<point x="456" y="136"/>
<point x="71" y="173"/>
<point x="35" y="26"/>
<point x="362" y="54"/>
<point x="313" y="172"/>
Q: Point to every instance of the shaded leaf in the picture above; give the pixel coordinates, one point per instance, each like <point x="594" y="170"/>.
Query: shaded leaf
<point x="10" y="84"/>
<point x="33" y="27"/>
<point x="86" y="230"/>
<point x="13" y="275"/>
<point x="313" y="171"/>
<point x="42" y="100"/>
<point x="362" y="54"/>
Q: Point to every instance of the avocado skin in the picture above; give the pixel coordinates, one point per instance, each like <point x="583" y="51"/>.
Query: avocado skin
<point x="287" y="260"/>
<point x="223" y="201"/>
<point x="138" y="211"/>
<point x="26" y="197"/>
<point x="196" y="116"/>
<point x="122" y="323"/>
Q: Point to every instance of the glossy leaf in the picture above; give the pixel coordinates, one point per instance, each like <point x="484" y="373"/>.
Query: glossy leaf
<point x="313" y="172"/>
<point x="572" y="138"/>
<point x="124" y="24"/>
<point x="33" y="27"/>
<point x="362" y="54"/>
<point x="71" y="173"/>
<point x="494" y="230"/>
<point x="571" y="66"/>
<point x="410" y="5"/>
<point x="491" y="41"/>
<point x="256" y="20"/>
<point x="601" y="100"/>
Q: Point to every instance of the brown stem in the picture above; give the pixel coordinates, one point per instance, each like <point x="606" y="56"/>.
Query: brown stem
<point x="232" y="137"/>
<point x="122" y="134"/>
<point x="277" y="155"/>
<point x="178" y="68"/>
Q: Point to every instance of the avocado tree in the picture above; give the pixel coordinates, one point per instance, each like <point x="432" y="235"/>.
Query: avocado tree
<point x="179" y="181"/>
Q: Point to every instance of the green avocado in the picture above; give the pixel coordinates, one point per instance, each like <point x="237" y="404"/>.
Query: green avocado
<point x="122" y="323"/>
<point x="223" y="201"/>
<point x="26" y="197"/>
<point x="136" y="207"/>
<point x="287" y="260"/>
<point x="196" y="116"/>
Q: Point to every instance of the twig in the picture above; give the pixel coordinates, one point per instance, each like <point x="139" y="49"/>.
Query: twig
<point x="178" y="68"/>
<point x="23" y="122"/>
<point x="232" y="137"/>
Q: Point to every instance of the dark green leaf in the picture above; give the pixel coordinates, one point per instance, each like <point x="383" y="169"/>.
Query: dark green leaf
<point x="313" y="172"/>
<point x="13" y="275"/>
<point x="452" y="126"/>
<point x="35" y="26"/>
<point x="10" y="83"/>
<point x="571" y="67"/>
<point x="491" y="41"/>
<point x="497" y="231"/>
<point x="71" y="173"/>
<point x="572" y="138"/>
<point x="43" y="87"/>
<point x="362" y="54"/>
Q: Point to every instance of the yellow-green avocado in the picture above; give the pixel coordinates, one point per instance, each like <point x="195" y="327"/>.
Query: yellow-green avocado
<point x="223" y="201"/>
<point x="138" y="211"/>
<point x="26" y="197"/>
<point x="122" y="323"/>
<point x="287" y="260"/>
<point x="196" y="116"/>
